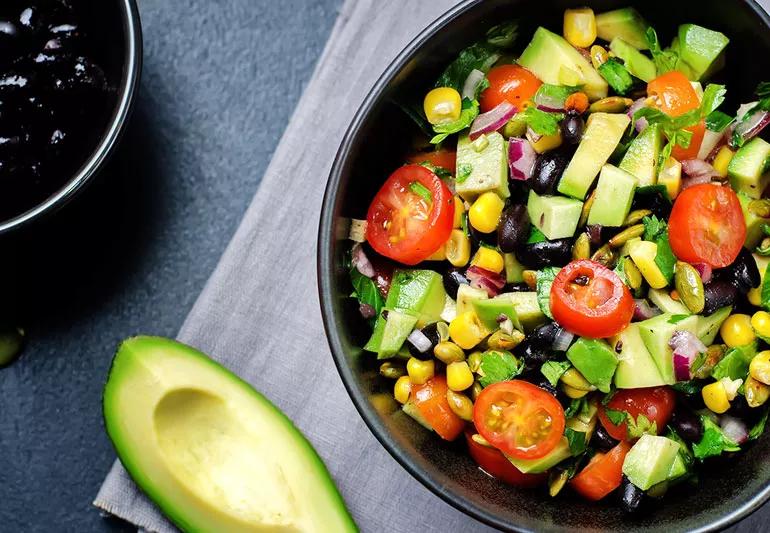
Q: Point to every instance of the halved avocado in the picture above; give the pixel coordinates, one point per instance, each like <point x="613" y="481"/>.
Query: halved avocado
<point x="209" y="450"/>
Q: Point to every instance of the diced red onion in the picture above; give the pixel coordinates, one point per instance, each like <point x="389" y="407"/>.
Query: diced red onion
<point x="419" y="340"/>
<point x="745" y="108"/>
<point x="698" y="172"/>
<point x="734" y="429"/>
<point x="562" y="340"/>
<point x="636" y="106"/>
<point x="594" y="233"/>
<point x="471" y="83"/>
<point x="492" y="120"/>
<point x="521" y="158"/>
<point x="704" y="270"/>
<point x="643" y="310"/>
<point x="361" y="262"/>
<point x="549" y="109"/>
<point x="682" y="365"/>
<point x="753" y="125"/>
<point x="487" y="280"/>
<point x="686" y="347"/>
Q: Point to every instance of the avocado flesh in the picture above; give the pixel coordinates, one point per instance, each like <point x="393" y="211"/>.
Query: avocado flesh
<point x="754" y="222"/>
<point x="637" y="63"/>
<point x="649" y="461"/>
<point x="666" y="303"/>
<point x="613" y="197"/>
<point x="556" y="216"/>
<point x="636" y="367"/>
<point x="417" y="292"/>
<point x="641" y="158"/>
<point x="209" y="450"/>
<point x="527" y="309"/>
<point x="657" y="332"/>
<point x="747" y="168"/>
<point x="488" y="167"/>
<point x="702" y="49"/>
<point x="626" y="24"/>
<point x="595" y="360"/>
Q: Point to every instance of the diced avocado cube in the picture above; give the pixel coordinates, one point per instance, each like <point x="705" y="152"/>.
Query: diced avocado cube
<point x="678" y="468"/>
<point x="556" y="216"/>
<point x="636" y="368"/>
<point x="747" y="168"/>
<point x="670" y="176"/>
<point x="527" y="308"/>
<point x="595" y="360"/>
<point x="681" y="64"/>
<point x="489" y="311"/>
<point x="548" y="53"/>
<point x="626" y="24"/>
<point x="390" y="333"/>
<point x="466" y="295"/>
<point x="551" y="459"/>
<point x="420" y="292"/>
<point x="649" y="461"/>
<point x="754" y="232"/>
<point x="488" y="167"/>
<point x="708" y="326"/>
<point x="514" y="270"/>
<point x="666" y="303"/>
<point x="602" y="135"/>
<point x="614" y="194"/>
<point x="702" y="49"/>
<point x="636" y="62"/>
<point x="641" y="158"/>
<point x="656" y="333"/>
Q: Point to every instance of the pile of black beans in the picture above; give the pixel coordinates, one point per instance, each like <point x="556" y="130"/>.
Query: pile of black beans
<point x="54" y="98"/>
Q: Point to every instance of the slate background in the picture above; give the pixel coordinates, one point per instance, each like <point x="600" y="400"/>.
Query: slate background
<point x="220" y="81"/>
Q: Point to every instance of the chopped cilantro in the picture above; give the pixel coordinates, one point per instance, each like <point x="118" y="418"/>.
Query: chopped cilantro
<point x="554" y="93"/>
<point x="718" y="121"/>
<point x="463" y="172"/>
<point x="714" y="442"/>
<point x="478" y="56"/>
<point x="640" y="426"/>
<point x="422" y="191"/>
<point x="366" y="291"/>
<point x="553" y="370"/>
<point x="470" y="109"/>
<point x="763" y="92"/>
<point x="545" y="279"/>
<point x="655" y="230"/>
<point x="536" y="236"/>
<point x="665" y="61"/>
<point x="764" y="250"/>
<point x="541" y="122"/>
<point x="576" y="440"/>
<point x="689" y="388"/>
<point x="576" y="406"/>
<point x="616" y="416"/>
<point x="735" y="363"/>
<point x="759" y="428"/>
<point x="498" y="365"/>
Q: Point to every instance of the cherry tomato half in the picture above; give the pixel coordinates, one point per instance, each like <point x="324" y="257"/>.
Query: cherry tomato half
<point x="445" y="159"/>
<point x="405" y="226"/>
<point x="602" y="474"/>
<point x="494" y="463"/>
<point x="519" y="419"/>
<point x="430" y="400"/>
<point x="675" y="96"/>
<point x="590" y="300"/>
<point x="656" y="403"/>
<point x="508" y="83"/>
<point x="707" y="225"/>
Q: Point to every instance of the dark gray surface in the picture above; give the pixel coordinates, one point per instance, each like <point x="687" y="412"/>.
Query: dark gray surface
<point x="221" y="79"/>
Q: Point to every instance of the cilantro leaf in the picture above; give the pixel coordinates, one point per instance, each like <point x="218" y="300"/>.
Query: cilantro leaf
<point x="536" y="236"/>
<point x="616" y="416"/>
<point x="713" y="97"/>
<point x="665" y="61"/>
<point x="503" y="35"/>
<point x="553" y="370"/>
<point x="640" y="426"/>
<point x="653" y="228"/>
<point x="714" y="442"/>
<point x="441" y="172"/>
<point x="656" y="231"/>
<point x="763" y="91"/>
<point x="422" y="191"/>
<point x="498" y="365"/>
<point x="576" y="440"/>
<point x="764" y="250"/>
<point x="542" y="122"/>
<point x="576" y="406"/>
<point x="676" y="319"/>
<point x="759" y="428"/>
<point x="556" y="94"/>
<point x="735" y="363"/>
<point x="690" y="388"/>
<point x="717" y="121"/>
<point x="617" y="76"/>
<point x="545" y="279"/>
<point x="470" y="109"/>
<point x="478" y="56"/>
<point x="463" y="172"/>
<point x="366" y="291"/>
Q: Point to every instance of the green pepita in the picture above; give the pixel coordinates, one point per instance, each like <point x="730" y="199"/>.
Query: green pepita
<point x="636" y="216"/>
<point x="760" y="208"/>
<point x="530" y="278"/>
<point x="476" y="390"/>
<point x="582" y="247"/>
<point x="626" y="235"/>
<point x="501" y="340"/>
<point x="633" y="276"/>
<point x="689" y="286"/>
<point x="586" y="210"/>
<point x="599" y="56"/>
<point x="573" y="378"/>
<point x="605" y="255"/>
<point x="460" y="405"/>
<point x="474" y="361"/>
<point x="557" y="480"/>
<point x="611" y="104"/>
<point x="391" y="370"/>
<point x="448" y="352"/>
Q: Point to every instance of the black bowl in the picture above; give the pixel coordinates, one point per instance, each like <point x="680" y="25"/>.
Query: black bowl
<point x="728" y="491"/>
<point x="119" y="38"/>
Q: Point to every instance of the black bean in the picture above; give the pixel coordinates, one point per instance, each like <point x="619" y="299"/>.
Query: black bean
<point x="602" y="439"/>
<point x="631" y="496"/>
<point x="430" y="331"/>
<point x="536" y="349"/>
<point x="687" y="424"/>
<point x="548" y="169"/>
<point x="572" y="128"/>
<point x="453" y="278"/>
<point x="513" y="228"/>
<point x="478" y="237"/>
<point x="744" y="273"/>
<point x="718" y="294"/>
<point x="547" y="253"/>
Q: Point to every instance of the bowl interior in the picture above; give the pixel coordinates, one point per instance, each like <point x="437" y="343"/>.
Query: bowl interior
<point x="369" y="154"/>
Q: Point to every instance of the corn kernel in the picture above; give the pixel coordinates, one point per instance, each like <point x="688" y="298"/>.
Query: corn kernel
<point x="459" y="376"/>
<point x="459" y="212"/>
<point x="580" y="27"/>
<point x="488" y="259"/>
<point x="545" y="142"/>
<point x="402" y="389"/>
<point x="420" y="371"/>
<point x="755" y="296"/>
<point x="715" y="397"/>
<point x="643" y="255"/>
<point x="761" y="323"/>
<point x="442" y="105"/>
<point x="485" y="212"/>
<point x="737" y="331"/>
<point x="759" y="368"/>
<point x="670" y="176"/>
<point x="458" y="248"/>
<point x="722" y="160"/>
<point x="466" y="330"/>
<point x="438" y="255"/>
<point x="574" y="379"/>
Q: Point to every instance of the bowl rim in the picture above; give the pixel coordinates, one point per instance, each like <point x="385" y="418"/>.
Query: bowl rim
<point x="325" y="273"/>
<point x="129" y="85"/>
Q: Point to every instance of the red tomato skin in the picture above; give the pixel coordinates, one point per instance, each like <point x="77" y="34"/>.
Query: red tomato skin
<point x="415" y="246"/>
<point x="707" y="225"/>
<point x="446" y="159"/>
<point x="508" y="83"/>
<point x="656" y="403"/>
<point x="605" y="320"/>
<point x="603" y="475"/>
<point x="535" y="399"/>
<point x="494" y="463"/>
<point x="430" y="400"/>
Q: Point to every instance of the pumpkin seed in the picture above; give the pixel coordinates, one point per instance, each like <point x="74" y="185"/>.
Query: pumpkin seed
<point x="460" y="404"/>
<point x="586" y="209"/>
<point x="611" y="104"/>
<point x="573" y="378"/>
<point x="474" y="361"/>
<point x="448" y="352"/>
<point x="599" y="56"/>
<point x="557" y="480"/>
<point x="501" y="340"/>
<point x="634" y="217"/>
<point x="391" y="370"/>
<point x="530" y="278"/>
<point x="582" y="247"/>
<point x="626" y="235"/>
<point x="605" y="255"/>
<point x="633" y="276"/>
<point x="756" y="392"/>
<point x="761" y="208"/>
<point x="476" y="390"/>
<point x="689" y="286"/>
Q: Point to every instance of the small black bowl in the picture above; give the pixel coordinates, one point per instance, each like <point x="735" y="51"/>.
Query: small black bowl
<point x="120" y="54"/>
<point x="728" y="491"/>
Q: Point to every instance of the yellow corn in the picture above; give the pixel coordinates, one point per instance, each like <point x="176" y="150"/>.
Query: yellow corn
<point x="442" y="105"/>
<point x="722" y="160"/>
<point x="670" y="176"/>
<point x="643" y="254"/>
<point x="458" y="248"/>
<point x="438" y="255"/>
<point x="489" y="259"/>
<point x="761" y="323"/>
<point x="715" y="397"/>
<point x="402" y="389"/>
<point x="759" y="368"/>
<point x="420" y="371"/>
<point x="574" y="379"/>
<point x="459" y="376"/>
<point x="459" y="212"/>
<point x="485" y="212"/>
<point x="580" y="27"/>
<point x="545" y="143"/>
<point x="572" y="392"/>
<point x="755" y="296"/>
<point x="466" y="330"/>
<point x="737" y="331"/>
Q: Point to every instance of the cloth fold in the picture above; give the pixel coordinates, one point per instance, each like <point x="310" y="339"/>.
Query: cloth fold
<point x="259" y="314"/>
